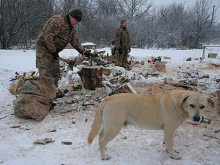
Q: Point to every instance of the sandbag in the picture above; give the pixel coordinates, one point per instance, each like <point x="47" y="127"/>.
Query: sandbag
<point x="42" y="86"/>
<point x="35" y="98"/>
<point x="31" y="107"/>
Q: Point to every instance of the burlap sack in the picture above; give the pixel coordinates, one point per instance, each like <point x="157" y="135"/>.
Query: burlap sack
<point x="41" y="86"/>
<point x="31" y="107"/>
<point x="34" y="100"/>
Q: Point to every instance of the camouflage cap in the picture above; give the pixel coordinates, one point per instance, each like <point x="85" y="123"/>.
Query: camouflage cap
<point x="76" y="14"/>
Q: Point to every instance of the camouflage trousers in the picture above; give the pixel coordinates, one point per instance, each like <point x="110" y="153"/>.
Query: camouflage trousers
<point x="122" y="59"/>
<point x="47" y="66"/>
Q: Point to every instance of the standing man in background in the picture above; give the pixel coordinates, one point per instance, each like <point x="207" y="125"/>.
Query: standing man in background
<point x="55" y="35"/>
<point x="123" y="45"/>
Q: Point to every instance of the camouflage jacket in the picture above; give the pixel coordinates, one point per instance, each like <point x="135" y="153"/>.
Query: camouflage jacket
<point x="57" y="33"/>
<point x="122" y="39"/>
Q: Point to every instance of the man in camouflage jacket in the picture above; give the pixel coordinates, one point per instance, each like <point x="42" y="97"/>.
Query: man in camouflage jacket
<point x="55" y="35"/>
<point x="123" y="45"/>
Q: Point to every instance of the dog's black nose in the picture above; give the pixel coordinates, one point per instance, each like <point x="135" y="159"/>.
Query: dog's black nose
<point x="196" y="118"/>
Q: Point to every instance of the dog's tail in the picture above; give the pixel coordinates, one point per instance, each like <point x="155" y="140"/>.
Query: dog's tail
<point x="97" y="123"/>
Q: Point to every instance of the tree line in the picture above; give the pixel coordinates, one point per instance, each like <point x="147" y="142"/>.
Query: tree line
<point x="172" y="25"/>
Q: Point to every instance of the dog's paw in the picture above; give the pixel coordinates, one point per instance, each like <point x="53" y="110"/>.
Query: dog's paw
<point x="106" y="157"/>
<point x="176" y="156"/>
<point x="176" y="151"/>
<point x="164" y="144"/>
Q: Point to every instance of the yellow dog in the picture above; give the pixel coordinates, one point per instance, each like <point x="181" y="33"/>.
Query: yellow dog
<point x="163" y="111"/>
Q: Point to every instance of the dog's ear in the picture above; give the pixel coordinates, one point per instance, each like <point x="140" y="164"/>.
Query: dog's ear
<point x="183" y="99"/>
<point x="211" y="102"/>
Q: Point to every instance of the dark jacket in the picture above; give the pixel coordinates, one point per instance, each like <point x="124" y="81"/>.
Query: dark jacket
<point x="122" y="39"/>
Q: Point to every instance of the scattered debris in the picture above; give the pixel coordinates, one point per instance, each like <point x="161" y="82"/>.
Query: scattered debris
<point x="192" y="123"/>
<point x="152" y="74"/>
<point x="189" y="59"/>
<point x="53" y="130"/>
<point x="3" y="117"/>
<point x="215" y="65"/>
<point x="126" y="88"/>
<point x="106" y="71"/>
<point x="69" y="111"/>
<point x="212" y="55"/>
<point x="124" y="137"/>
<point x="217" y="131"/>
<point x="16" y="126"/>
<point x="204" y="76"/>
<point x="211" y="136"/>
<point x="66" y="143"/>
<point x="167" y="58"/>
<point x="61" y="93"/>
<point x="24" y="128"/>
<point x="185" y="87"/>
<point x="44" y="141"/>
<point x="160" y="66"/>
<point x="62" y="114"/>
<point x="157" y="88"/>
<point x="155" y="60"/>
<point x="218" y="97"/>
<point x="70" y="101"/>
<point x="85" y="103"/>
<point x="77" y="87"/>
<point x="206" y="120"/>
<point x="185" y="84"/>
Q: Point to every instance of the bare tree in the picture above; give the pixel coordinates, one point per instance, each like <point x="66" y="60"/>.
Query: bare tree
<point x="2" y="24"/>
<point x="107" y="7"/>
<point x="65" y="6"/>
<point x="19" y="13"/>
<point x="201" y="20"/>
<point x="172" y="25"/>
<point x="134" y="9"/>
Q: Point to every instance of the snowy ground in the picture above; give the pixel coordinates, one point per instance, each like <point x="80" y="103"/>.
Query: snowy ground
<point x="132" y="146"/>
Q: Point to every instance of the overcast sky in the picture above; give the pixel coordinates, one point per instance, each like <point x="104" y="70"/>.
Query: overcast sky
<point x="190" y="2"/>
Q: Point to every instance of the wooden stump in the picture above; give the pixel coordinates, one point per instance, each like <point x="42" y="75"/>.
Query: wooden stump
<point x="91" y="77"/>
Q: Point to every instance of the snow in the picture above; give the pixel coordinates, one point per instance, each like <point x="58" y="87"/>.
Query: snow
<point x="131" y="146"/>
<point x="88" y="44"/>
